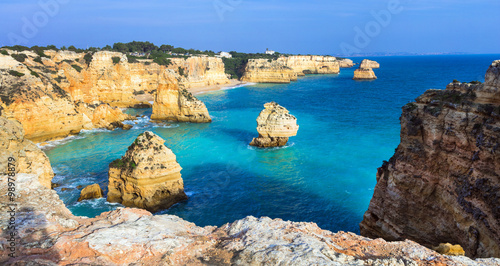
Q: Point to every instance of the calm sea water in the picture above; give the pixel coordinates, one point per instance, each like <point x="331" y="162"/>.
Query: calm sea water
<point x="326" y="174"/>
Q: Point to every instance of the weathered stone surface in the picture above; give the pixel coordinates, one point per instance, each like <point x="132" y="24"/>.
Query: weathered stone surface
<point x="311" y="64"/>
<point x="442" y="184"/>
<point x="147" y="176"/>
<point x="91" y="192"/>
<point x="46" y="233"/>
<point x="268" y="71"/>
<point x="174" y="103"/>
<point x="200" y="71"/>
<point x="449" y="249"/>
<point x="274" y="124"/>
<point x="369" y="64"/>
<point x="21" y="154"/>
<point x="364" y="74"/>
<point x="345" y="63"/>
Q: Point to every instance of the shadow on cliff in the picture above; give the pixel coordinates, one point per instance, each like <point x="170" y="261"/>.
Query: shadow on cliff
<point x="33" y="228"/>
<point x="221" y="193"/>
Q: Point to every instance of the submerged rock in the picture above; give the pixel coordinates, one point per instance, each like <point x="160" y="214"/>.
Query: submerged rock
<point x="93" y="191"/>
<point x="443" y="181"/>
<point x="274" y="125"/>
<point x="147" y="176"/>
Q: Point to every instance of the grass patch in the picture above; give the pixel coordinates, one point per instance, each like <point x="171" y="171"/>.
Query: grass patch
<point x="15" y="73"/>
<point x="77" y="68"/>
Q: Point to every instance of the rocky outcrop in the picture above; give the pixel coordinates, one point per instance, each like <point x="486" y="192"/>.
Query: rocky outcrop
<point x="147" y="176"/>
<point x="49" y="234"/>
<point x="442" y="184"/>
<point x="369" y="64"/>
<point x="200" y="71"/>
<point x="46" y="233"/>
<point x="91" y="192"/>
<point x="274" y="125"/>
<point x="345" y="63"/>
<point x="311" y="64"/>
<point x="65" y="92"/>
<point x="449" y="249"/>
<point x="174" y="103"/>
<point x="19" y="155"/>
<point x="268" y="71"/>
<point x="364" y="74"/>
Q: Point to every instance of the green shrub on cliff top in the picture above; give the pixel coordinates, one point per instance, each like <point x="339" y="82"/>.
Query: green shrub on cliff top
<point x="77" y="68"/>
<point x="116" y="59"/>
<point x="15" y="73"/>
<point x="19" y="57"/>
<point x="4" y="52"/>
<point x="88" y="58"/>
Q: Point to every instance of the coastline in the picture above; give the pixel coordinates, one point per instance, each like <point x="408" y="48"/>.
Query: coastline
<point x="233" y="83"/>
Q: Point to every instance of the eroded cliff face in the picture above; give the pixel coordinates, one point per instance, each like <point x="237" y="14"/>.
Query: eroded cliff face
<point x="19" y="155"/>
<point x="311" y="64"/>
<point x="46" y="233"/>
<point x="200" y="71"/>
<point x="364" y="74"/>
<point x="442" y="184"/>
<point x="369" y="64"/>
<point x="345" y="63"/>
<point x="268" y="71"/>
<point x="275" y="125"/>
<point x="147" y="176"/>
<point x="66" y="92"/>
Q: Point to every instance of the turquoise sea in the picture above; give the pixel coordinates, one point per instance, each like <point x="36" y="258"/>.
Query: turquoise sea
<point x="326" y="174"/>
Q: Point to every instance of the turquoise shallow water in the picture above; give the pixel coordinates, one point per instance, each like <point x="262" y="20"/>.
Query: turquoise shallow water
<point x="326" y="174"/>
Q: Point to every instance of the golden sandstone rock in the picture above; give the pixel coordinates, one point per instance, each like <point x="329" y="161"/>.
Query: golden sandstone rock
<point x="311" y="64"/>
<point x="268" y="71"/>
<point x="147" y="176"/>
<point x="274" y="125"/>
<point x="26" y="157"/>
<point x="93" y="191"/>
<point x="369" y="64"/>
<point x="449" y="249"/>
<point x="364" y="74"/>
<point x="442" y="182"/>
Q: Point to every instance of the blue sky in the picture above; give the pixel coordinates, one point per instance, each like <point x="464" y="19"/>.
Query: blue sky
<point x="291" y="26"/>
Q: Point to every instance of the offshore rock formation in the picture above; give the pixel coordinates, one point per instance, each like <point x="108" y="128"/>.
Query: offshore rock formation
<point x="174" y="103"/>
<point x="46" y="233"/>
<point x="63" y="92"/>
<point x="369" y="64"/>
<point x="268" y="71"/>
<point x="442" y="184"/>
<point x="147" y="176"/>
<point x="200" y="71"/>
<point x="364" y="74"/>
<point x="91" y="192"/>
<point x="274" y="125"/>
<point x="311" y="64"/>
<point x="25" y="156"/>
<point x="345" y="63"/>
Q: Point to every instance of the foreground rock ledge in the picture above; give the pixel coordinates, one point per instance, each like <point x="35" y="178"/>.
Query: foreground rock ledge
<point x="50" y="234"/>
<point x="274" y="125"/>
<point x="147" y="176"/>
<point x="442" y="184"/>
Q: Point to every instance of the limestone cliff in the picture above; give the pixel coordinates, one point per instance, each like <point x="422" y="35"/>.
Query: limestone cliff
<point x="369" y="64"/>
<point x="274" y="125"/>
<point x="311" y="64"/>
<point x="46" y="233"/>
<point x="442" y="184"/>
<point x="147" y="176"/>
<point x="268" y="71"/>
<point x="345" y="63"/>
<point x="19" y="155"/>
<point x="64" y="92"/>
<point x="364" y="74"/>
<point x="200" y="71"/>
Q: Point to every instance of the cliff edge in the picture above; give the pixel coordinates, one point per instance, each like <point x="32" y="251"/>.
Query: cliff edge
<point x="442" y="184"/>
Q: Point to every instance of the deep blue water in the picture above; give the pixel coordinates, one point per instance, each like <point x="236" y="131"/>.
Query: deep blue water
<point x="326" y="174"/>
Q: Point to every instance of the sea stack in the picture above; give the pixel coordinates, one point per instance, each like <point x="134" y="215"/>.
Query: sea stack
<point x="442" y="184"/>
<point x="147" y="176"/>
<point x="365" y="70"/>
<point x="274" y="125"/>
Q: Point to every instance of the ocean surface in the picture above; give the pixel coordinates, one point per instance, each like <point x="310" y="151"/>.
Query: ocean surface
<point x="325" y="174"/>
